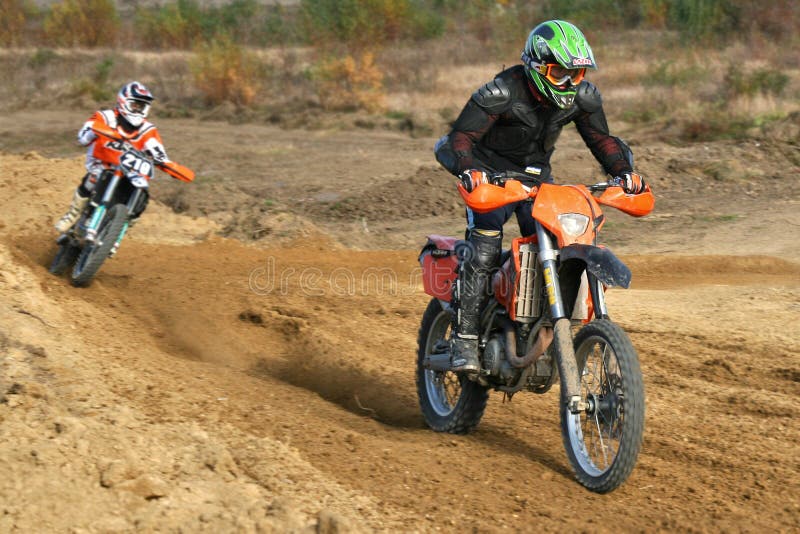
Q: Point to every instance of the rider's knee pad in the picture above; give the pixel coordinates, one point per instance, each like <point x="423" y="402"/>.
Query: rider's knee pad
<point x="486" y="253"/>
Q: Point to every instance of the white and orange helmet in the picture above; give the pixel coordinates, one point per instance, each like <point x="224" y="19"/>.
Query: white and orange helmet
<point x="133" y="103"/>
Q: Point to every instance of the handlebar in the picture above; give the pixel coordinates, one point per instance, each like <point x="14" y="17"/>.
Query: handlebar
<point x="500" y="179"/>
<point x="600" y="186"/>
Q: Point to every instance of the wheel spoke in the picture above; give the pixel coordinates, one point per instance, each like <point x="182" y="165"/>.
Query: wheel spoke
<point x="600" y="381"/>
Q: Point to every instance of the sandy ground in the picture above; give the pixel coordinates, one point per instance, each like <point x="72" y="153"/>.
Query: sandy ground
<point x="266" y="383"/>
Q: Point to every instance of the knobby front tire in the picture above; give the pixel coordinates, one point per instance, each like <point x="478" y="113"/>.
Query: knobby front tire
<point x="603" y="442"/>
<point x="64" y="258"/>
<point x="92" y="256"/>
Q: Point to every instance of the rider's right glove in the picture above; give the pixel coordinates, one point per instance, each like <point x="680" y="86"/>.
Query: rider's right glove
<point x="631" y="182"/>
<point x="472" y="178"/>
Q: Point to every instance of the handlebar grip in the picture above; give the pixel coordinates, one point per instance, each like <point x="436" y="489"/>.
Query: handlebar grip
<point x="501" y="178"/>
<point x="498" y="179"/>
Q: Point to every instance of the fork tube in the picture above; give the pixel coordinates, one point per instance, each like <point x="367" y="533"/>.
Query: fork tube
<point x="598" y="296"/>
<point x="134" y="200"/>
<point x="564" y="349"/>
<point x="547" y="255"/>
<point x="97" y="216"/>
<point x="110" y="189"/>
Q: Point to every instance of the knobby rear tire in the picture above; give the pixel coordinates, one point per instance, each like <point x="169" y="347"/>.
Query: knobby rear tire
<point x="609" y="368"/>
<point x="450" y="402"/>
<point x="92" y="256"/>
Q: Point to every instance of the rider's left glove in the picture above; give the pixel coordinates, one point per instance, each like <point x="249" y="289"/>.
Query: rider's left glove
<point x="631" y="182"/>
<point x="472" y="178"/>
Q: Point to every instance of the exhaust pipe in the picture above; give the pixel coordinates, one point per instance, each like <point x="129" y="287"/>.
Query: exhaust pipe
<point x="543" y="339"/>
<point x="437" y="362"/>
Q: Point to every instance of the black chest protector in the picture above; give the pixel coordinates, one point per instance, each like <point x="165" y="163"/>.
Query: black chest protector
<point x="526" y="130"/>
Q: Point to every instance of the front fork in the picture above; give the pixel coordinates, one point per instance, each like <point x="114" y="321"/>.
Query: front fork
<point x="100" y="209"/>
<point x="565" y="350"/>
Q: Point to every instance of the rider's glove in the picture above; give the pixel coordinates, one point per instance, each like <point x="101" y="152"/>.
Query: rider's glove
<point x="472" y="178"/>
<point x="631" y="182"/>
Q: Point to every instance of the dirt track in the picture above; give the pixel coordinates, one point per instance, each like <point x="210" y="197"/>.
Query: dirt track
<point x="183" y="391"/>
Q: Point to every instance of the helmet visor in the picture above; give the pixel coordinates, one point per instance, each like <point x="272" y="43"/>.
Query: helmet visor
<point x="559" y="75"/>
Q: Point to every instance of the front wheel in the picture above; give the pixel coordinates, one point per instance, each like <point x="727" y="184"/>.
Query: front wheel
<point x="65" y="257"/>
<point x="603" y="442"/>
<point x="450" y="402"/>
<point x="93" y="255"/>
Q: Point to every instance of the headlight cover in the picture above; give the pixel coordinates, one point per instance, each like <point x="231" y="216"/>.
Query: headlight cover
<point x="574" y="224"/>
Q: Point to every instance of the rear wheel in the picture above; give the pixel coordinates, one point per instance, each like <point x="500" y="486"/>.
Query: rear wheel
<point x="450" y="402"/>
<point x="93" y="255"/>
<point x="603" y="442"/>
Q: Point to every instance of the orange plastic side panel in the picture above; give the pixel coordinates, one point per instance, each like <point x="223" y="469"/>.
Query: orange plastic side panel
<point x="553" y="200"/>
<point x="488" y="197"/>
<point x="636" y="205"/>
<point x="178" y="171"/>
<point x="439" y="275"/>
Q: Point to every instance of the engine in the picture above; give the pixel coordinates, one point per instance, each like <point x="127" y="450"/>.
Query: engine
<point x="495" y="361"/>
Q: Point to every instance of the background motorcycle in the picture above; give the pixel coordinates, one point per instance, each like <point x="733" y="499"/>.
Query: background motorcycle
<point x="549" y="284"/>
<point x="119" y="197"/>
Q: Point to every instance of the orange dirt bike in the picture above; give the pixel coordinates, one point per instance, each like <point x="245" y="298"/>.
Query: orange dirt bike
<point x="119" y="197"/>
<point x="547" y="318"/>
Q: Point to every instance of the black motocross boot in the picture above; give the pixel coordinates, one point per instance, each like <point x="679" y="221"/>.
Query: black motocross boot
<point x="479" y="261"/>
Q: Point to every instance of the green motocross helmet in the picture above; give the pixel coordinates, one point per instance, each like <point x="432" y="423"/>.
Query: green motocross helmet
<point x="556" y="57"/>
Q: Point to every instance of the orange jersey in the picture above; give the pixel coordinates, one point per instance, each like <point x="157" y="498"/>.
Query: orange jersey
<point x="104" y="152"/>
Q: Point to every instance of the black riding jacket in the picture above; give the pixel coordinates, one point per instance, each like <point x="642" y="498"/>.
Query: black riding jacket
<point x="509" y="125"/>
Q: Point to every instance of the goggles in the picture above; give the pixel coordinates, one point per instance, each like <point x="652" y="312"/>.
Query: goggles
<point x="558" y="75"/>
<point x="137" y="106"/>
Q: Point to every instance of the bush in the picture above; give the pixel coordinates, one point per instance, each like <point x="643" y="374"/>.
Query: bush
<point x="279" y="27"/>
<point x="740" y="81"/>
<point x="670" y="73"/>
<point x="97" y="86"/>
<point x="176" y="25"/>
<point x="42" y="58"/>
<point x="224" y="72"/>
<point x="349" y="83"/>
<point x="13" y="14"/>
<point x="360" y="24"/>
<point x="703" y="19"/>
<point x="82" y="22"/>
<point x="240" y="19"/>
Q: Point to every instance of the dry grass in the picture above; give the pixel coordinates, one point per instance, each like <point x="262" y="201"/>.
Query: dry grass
<point x="684" y="93"/>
